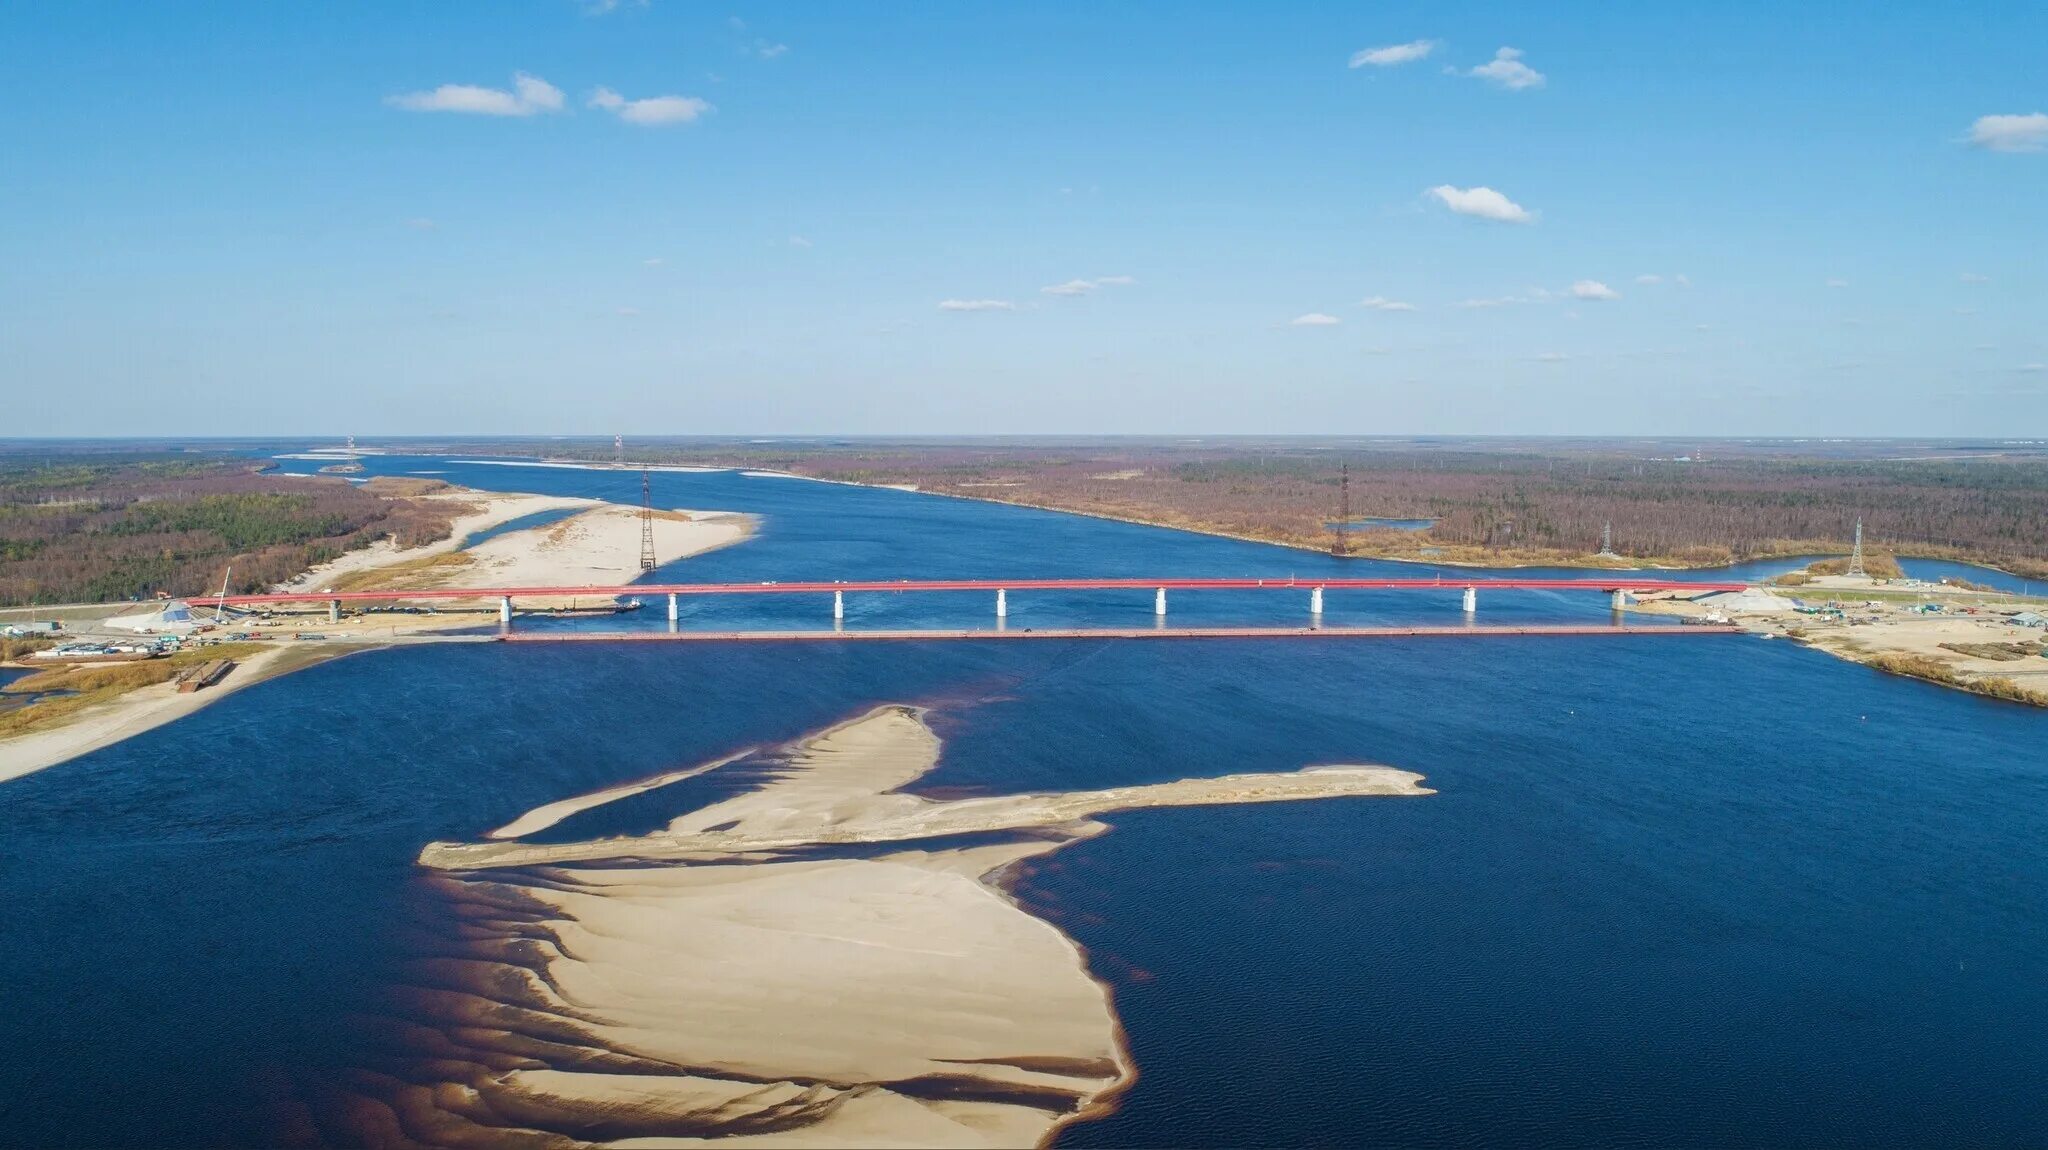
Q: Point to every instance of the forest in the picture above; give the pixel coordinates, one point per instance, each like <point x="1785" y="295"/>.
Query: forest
<point x="1522" y="502"/>
<point x="108" y="527"/>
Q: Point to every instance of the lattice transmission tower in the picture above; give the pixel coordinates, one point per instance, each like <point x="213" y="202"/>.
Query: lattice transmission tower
<point x="1607" y="541"/>
<point x="646" y="523"/>
<point x="1856" y="556"/>
<point x="1342" y="544"/>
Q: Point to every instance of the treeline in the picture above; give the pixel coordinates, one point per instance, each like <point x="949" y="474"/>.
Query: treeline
<point x="101" y="529"/>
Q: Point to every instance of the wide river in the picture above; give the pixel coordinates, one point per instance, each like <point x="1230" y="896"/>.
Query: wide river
<point x="1704" y="891"/>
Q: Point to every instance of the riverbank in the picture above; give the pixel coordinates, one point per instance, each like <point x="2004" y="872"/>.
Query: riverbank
<point x="134" y="711"/>
<point x="1963" y="639"/>
<point x="822" y="960"/>
<point x="597" y="543"/>
<point x="1413" y="548"/>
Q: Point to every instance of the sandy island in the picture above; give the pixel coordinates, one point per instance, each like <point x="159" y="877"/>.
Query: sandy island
<point x="597" y="545"/>
<point x="807" y="964"/>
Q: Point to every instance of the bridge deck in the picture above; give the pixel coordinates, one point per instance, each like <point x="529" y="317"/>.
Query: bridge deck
<point x="1618" y="581"/>
<point x="1108" y="633"/>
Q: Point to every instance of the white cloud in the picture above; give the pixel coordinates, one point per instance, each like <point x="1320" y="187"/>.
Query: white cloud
<point x="2028" y="133"/>
<point x="1083" y="287"/>
<point x="607" y="7"/>
<point x="1838" y="283"/>
<point x="799" y="242"/>
<point x="1392" y="54"/>
<point x="1495" y="301"/>
<point x="654" y="261"/>
<point x="1974" y="278"/>
<point x="529" y="95"/>
<point x="629" y="312"/>
<point x="1593" y="289"/>
<point x="421" y="224"/>
<point x="1507" y="70"/>
<point x="1649" y="280"/>
<point x="1314" y="319"/>
<point x="1485" y="203"/>
<point x="1382" y="303"/>
<point x="976" y="305"/>
<point x="1551" y="357"/>
<point x="768" y="51"/>
<point x="652" y="111"/>
<point x="2033" y="367"/>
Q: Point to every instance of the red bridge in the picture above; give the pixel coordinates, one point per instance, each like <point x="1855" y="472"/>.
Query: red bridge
<point x="1616" y="585"/>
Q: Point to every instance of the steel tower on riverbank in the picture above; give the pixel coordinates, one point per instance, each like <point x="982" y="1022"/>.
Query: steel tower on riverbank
<point x="646" y="523"/>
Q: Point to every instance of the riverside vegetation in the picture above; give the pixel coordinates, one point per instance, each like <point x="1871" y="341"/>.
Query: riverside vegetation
<point x="103" y="527"/>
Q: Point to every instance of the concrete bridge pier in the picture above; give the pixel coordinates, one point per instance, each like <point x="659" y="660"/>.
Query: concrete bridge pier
<point x="1002" y="603"/>
<point x="838" y="606"/>
<point x="334" y="610"/>
<point x="1315" y="601"/>
<point x="1471" y="600"/>
<point x="673" y="614"/>
<point x="1619" y="600"/>
<point x="505" y="609"/>
<point x="1159" y="602"/>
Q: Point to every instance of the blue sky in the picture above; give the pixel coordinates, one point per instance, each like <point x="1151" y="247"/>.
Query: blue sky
<point x="843" y="218"/>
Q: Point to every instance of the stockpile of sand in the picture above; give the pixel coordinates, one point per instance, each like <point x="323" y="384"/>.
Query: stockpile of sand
<point x="1749" y="601"/>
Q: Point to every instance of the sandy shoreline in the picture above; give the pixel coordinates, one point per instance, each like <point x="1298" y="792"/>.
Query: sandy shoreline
<point x="144" y="709"/>
<point x="1877" y="622"/>
<point x="732" y="978"/>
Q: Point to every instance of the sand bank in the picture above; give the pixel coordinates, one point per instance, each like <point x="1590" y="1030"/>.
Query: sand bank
<point x="754" y="990"/>
<point x="542" y="817"/>
<point x="599" y="547"/>
<point x="581" y="465"/>
<point x="493" y="510"/>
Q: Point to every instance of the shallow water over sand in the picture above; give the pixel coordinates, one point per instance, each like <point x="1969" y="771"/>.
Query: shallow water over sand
<point x="1713" y="890"/>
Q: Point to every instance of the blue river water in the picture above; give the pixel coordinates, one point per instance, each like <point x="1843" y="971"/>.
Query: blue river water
<point x="1701" y="891"/>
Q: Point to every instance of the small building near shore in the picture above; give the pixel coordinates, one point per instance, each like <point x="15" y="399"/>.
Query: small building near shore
<point x="2031" y="619"/>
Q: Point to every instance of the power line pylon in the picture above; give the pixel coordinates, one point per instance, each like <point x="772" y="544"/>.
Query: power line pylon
<point x="647" y="562"/>
<point x="1856" y="556"/>
<point x="618" y="451"/>
<point x="1342" y="545"/>
<point x="1607" y="541"/>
